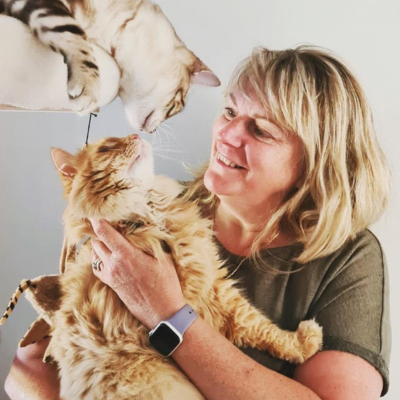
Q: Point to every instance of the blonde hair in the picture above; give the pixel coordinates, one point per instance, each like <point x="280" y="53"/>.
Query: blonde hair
<point x="311" y="93"/>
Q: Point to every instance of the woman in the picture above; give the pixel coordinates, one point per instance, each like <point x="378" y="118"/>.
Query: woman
<point x="295" y="178"/>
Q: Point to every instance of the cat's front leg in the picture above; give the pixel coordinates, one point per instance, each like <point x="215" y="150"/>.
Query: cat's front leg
<point x="248" y="327"/>
<point x="54" y="25"/>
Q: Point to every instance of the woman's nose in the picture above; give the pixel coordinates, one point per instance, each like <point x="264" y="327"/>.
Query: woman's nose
<point x="234" y="132"/>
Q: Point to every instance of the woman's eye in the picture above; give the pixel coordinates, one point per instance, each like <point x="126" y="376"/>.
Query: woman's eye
<point x="229" y="112"/>
<point x="261" y="134"/>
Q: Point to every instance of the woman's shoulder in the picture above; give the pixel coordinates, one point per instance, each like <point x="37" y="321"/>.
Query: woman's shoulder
<point x="366" y="241"/>
<point x="364" y="250"/>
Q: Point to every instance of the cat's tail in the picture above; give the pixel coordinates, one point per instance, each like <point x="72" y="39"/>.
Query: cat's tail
<point x="25" y="284"/>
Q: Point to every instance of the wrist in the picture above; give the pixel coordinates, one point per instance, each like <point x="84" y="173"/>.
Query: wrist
<point x="164" y="314"/>
<point x="167" y="336"/>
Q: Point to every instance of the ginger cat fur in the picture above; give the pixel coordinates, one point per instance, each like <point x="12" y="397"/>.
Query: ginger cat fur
<point x="101" y="350"/>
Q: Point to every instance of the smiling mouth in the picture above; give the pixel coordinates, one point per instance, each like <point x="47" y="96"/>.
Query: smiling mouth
<point x="227" y="162"/>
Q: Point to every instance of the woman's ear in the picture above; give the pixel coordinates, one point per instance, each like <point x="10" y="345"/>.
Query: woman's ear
<point x="63" y="162"/>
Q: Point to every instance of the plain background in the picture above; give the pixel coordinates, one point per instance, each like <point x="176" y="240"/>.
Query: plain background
<point x="365" y="33"/>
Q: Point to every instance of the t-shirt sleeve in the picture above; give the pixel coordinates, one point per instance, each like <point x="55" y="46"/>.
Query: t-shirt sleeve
<point x="352" y="304"/>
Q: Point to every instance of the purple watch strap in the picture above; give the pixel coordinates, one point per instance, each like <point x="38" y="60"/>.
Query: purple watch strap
<point x="183" y="318"/>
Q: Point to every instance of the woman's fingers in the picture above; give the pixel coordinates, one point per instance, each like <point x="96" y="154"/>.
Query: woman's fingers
<point x="108" y="235"/>
<point x="101" y="250"/>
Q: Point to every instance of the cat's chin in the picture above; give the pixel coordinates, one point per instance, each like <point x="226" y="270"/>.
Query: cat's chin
<point x="141" y="165"/>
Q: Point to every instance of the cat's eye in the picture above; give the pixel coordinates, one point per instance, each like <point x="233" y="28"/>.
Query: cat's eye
<point x="103" y="149"/>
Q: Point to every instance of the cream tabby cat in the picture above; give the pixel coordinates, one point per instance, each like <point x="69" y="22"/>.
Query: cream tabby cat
<point x="156" y="67"/>
<point x="102" y="351"/>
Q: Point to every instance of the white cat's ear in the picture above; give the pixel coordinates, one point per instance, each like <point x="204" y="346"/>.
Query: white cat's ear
<point x="63" y="162"/>
<point x="206" y="78"/>
<point x="202" y="75"/>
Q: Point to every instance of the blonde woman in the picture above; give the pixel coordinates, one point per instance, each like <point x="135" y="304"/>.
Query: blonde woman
<point x="295" y="178"/>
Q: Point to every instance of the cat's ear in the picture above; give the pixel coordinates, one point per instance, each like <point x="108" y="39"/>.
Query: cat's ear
<point x="202" y="75"/>
<point x="63" y="162"/>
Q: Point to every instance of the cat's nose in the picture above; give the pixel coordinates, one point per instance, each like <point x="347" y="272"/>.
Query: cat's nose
<point x="134" y="136"/>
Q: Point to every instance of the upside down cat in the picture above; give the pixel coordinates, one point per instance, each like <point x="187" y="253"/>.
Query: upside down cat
<point x="102" y="352"/>
<point x="156" y="67"/>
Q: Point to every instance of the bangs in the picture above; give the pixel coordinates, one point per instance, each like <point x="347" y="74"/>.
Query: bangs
<point x="274" y="79"/>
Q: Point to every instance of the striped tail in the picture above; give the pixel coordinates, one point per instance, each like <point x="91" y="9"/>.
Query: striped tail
<point x="14" y="299"/>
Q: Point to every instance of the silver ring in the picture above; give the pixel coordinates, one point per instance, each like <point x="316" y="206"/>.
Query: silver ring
<point x="96" y="264"/>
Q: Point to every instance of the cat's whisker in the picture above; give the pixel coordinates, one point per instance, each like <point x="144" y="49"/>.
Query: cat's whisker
<point x="161" y="144"/>
<point x="168" y="158"/>
<point x="175" y="151"/>
<point x="170" y="131"/>
<point x="164" y="132"/>
<point x="157" y="137"/>
<point x="169" y="147"/>
<point x="167" y="134"/>
<point x="167" y="127"/>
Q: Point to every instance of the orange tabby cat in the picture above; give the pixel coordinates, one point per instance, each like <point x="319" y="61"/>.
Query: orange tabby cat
<point x="102" y="351"/>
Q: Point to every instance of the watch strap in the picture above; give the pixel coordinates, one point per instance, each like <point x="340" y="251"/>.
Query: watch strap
<point x="183" y="318"/>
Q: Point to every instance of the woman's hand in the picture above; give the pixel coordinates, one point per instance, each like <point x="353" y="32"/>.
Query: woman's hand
<point x="149" y="287"/>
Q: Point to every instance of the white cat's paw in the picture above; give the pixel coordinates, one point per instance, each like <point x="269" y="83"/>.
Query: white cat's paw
<point x="83" y="86"/>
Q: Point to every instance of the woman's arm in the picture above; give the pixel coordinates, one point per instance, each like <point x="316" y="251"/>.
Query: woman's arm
<point x="221" y="371"/>
<point x="338" y="375"/>
<point x="30" y="378"/>
<point x="151" y="291"/>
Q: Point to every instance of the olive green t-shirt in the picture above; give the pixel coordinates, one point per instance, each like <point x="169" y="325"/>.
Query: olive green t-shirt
<point x="346" y="292"/>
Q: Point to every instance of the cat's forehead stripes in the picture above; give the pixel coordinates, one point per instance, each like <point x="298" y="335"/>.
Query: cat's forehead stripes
<point x="101" y="166"/>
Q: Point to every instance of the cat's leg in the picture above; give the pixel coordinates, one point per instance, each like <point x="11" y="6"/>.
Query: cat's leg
<point x="45" y="295"/>
<point x="38" y="330"/>
<point x="52" y="23"/>
<point x="248" y="327"/>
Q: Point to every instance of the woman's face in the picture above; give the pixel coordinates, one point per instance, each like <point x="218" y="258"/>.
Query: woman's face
<point x="252" y="159"/>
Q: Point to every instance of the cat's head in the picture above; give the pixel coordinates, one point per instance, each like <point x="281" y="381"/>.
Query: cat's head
<point x="157" y="69"/>
<point x="107" y="179"/>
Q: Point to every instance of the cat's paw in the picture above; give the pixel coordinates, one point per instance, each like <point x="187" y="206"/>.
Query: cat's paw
<point x="83" y="86"/>
<point x="309" y="335"/>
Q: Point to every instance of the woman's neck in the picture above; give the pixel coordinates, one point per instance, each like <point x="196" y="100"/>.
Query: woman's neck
<point x="236" y="228"/>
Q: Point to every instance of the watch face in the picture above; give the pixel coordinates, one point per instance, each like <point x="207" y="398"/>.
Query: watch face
<point x="164" y="339"/>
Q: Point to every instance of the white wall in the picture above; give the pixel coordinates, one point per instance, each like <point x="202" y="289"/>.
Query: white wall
<point x="365" y="32"/>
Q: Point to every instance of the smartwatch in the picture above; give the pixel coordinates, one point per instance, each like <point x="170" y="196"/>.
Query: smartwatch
<point x="168" y="335"/>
